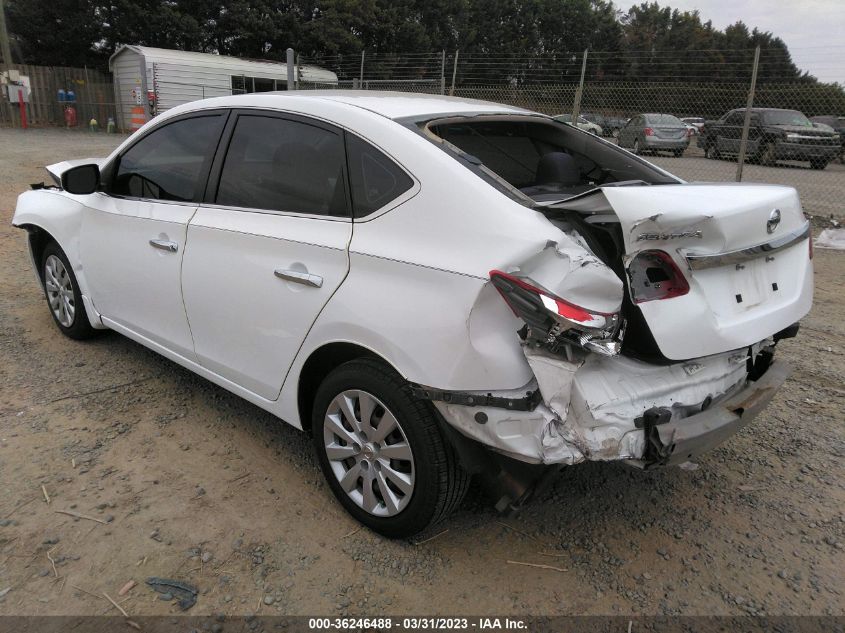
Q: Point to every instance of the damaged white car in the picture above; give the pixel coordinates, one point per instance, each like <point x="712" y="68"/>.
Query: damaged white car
<point x="432" y="287"/>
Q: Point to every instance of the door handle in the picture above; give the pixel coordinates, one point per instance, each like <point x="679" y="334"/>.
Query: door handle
<point x="306" y="279"/>
<point x="165" y="245"/>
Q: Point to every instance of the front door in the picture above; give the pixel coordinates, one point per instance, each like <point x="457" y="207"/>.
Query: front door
<point x="134" y="232"/>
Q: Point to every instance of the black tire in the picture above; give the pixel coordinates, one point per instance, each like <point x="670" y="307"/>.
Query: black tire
<point x="768" y="155"/>
<point x="79" y="327"/>
<point x="636" y="147"/>
<point x="439" y="481"/>
<point x="678" y="153"/>
<point x="710" y="152"/>
<point x="818" y="163"/>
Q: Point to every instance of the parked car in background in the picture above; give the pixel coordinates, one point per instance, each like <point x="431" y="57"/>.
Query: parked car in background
<point x="837" y="124"/>
<point x="773" y="135"/>
<point x="696" y="122"/>
<point x="512" y="299"/>
<point x="656" y="133"/>
<point x="610" y="125"/>
<point x="583" y="124"/>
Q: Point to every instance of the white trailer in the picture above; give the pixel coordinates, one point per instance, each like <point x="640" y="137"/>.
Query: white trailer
<point x="157" y="79"/>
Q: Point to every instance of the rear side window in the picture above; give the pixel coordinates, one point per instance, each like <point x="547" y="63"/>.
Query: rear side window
<point x="376" y="180"/>
<point x="283" y="165"/>
<point x="170" y="162"/>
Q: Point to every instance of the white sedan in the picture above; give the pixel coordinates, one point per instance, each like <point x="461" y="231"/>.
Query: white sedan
<point x="433" y="288"/>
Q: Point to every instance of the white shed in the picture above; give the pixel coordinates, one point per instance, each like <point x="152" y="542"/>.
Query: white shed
<point x="177" y="77"/>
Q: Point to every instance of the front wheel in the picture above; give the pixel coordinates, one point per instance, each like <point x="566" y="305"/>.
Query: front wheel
<point x="63" y="295"/>
<point x="382" y="451"/>
<point x="678" y="153"/>
<point x="636" y="148"/>
<point x="818" y="163"/>
<point x="768" y="155"/>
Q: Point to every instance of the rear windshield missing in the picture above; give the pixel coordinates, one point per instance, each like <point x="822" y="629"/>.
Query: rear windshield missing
<point x="542" y="159"/>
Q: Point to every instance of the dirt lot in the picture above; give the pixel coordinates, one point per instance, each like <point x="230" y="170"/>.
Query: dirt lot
<point x="191" y="482"/>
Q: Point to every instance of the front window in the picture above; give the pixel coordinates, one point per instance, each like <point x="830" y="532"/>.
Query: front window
<point x="170" y="162"/>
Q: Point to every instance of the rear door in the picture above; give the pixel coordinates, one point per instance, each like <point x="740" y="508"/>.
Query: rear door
<point x="133" y="234"/>
<point x="268" y="247"/>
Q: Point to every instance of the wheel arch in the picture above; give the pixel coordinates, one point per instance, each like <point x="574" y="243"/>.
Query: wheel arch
<point x="320" y="363"/>
<point x="38" y="239"/>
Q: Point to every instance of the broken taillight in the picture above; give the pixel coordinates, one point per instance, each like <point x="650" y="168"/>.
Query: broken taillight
<point x="572" y="313"/>
<point x="648" y="131"/>
<point x="554" y="322"/>
<point x="654" y="275"/>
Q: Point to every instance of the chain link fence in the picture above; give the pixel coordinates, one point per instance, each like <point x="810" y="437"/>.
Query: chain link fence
<point x="671" y="107"/>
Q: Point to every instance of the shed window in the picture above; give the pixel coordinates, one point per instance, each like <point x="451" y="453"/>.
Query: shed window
<point x="242" y="84"/>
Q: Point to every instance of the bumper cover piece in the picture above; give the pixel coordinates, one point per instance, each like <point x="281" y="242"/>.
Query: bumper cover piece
<point x="678" y="442"/>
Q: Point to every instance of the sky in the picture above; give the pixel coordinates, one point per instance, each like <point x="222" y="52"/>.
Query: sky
<point x="814" y="30"/>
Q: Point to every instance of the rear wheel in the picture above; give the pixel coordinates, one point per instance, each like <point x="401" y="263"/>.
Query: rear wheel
<point x="711" y="152"/>
<point x="382" y="451"/>
<point x="818" y="163"/>
<point x="63" y="296"/>
<point x="678" y="153"/>
<point x="636" y="148"/>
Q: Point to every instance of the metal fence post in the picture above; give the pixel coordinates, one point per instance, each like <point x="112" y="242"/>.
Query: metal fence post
<point x="443" y="72"/>
<point x="289" y="66"/>
<point x="454" y="73"/>
<point x="576" y="105"/>
<point x="740" y="160"/>
<point x="361" y="80"/>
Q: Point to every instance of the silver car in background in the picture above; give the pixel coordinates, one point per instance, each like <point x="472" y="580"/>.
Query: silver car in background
<point x="655" y="132"/>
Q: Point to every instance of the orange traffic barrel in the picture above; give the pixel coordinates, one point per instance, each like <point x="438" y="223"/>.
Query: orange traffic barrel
<point x="138" y="118"/>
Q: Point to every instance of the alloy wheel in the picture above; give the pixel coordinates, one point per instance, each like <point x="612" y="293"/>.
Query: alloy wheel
<point x="59" y="291"/>
<point x="369" y="453"/>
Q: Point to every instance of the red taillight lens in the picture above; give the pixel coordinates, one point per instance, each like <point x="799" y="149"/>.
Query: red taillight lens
<point x="576" y="315"/>
<point x="654" y="275"/>
<point x="648" y="131"/>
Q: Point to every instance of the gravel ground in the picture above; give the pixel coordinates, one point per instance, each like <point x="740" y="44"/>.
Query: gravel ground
<point x="190" y="482"/>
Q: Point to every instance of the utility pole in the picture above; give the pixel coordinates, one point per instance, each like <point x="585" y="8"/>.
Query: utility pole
<point x="291" y="68"/>
<point x="5" y="49"/>
<point x="740" y="160"/>
<point x="576" y="106"/>
<point x="454" y="73"/>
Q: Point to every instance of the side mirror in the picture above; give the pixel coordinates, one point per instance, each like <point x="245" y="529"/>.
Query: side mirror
<point x="81" y="180"/>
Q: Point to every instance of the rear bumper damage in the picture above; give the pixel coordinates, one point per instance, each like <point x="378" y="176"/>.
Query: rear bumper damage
<point x="617" y="408"/>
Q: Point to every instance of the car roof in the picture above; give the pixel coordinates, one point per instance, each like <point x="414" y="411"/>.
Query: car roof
<point x="393" y="105"/>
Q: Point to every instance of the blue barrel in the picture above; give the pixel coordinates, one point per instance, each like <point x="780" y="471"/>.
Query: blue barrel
<point x="70" y="96"/>
<point x="62" y="95"/>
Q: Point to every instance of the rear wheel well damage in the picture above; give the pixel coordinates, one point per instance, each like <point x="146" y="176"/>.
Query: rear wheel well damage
<point x="320" y="364"/>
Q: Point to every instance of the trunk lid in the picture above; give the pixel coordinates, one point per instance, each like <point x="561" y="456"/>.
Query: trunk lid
<point x="670" y="132"/>
<point x="743" y="250"/>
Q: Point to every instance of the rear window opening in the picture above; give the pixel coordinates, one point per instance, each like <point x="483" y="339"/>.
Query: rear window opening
<point x="540" y="158"/>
